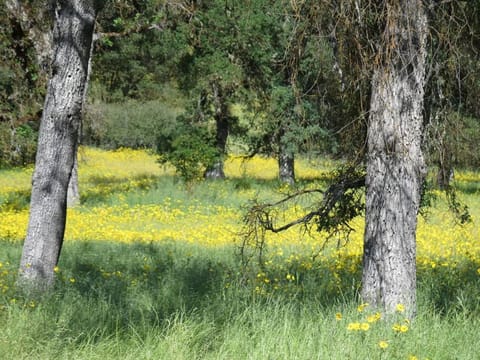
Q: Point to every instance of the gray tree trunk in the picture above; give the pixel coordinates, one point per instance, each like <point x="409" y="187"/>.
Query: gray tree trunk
<point x="57" y="143"/>
<point x="286" y="166"/>
<point x="42" y="38"/>
<point x="395" y="163"/>
<point x="73" y="192"/>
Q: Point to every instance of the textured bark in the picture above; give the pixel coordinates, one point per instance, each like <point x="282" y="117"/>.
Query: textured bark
<point x="42" y="39"/>
<point x="395" y="164"/>
<point x="286" y="166"/>
<point x="57" y="143"/>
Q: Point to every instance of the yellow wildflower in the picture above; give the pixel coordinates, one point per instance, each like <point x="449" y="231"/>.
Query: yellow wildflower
<point x="400" y="308"/>
<point x="400" y="328"/>
<point x="338" y="316"/>
<point x="362" y="307"/>
<point x="364" y="326"/>
<point x="72" y="280"/>
<point x="374" y="318"/>
<point x="354" y="326"/>
<point x="382" y="344"/>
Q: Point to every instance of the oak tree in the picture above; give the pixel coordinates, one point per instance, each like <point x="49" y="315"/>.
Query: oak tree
<point x="57" y="143"/>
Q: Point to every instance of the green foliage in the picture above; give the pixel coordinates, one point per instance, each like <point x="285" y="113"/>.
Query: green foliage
<point x="132" y="124"/>
<point x="135" y="58"/>
<point x="22" y="87"/>
<point x="190" y="149"/>
<point x="18" y="144"/>
<point x="295" y="126"/>
<point x="221" y="54"/>
<point x="15" y="201"/>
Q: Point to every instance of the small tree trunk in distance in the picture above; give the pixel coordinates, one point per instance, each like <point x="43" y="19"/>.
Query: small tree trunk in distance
<point x="286" y="166"/>
<point x="73" y="193"/>
<point x="57" y="143"/>
<point x="221" y="136"/>
<point x="395" y="163"/>
<point x="445" y="176"/>
<point x="216" y="171"/>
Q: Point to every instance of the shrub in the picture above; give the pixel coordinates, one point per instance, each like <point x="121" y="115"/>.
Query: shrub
<point x="190" y="149"/>
<point x="132" y="124"/>
<point x="18" y="144"/>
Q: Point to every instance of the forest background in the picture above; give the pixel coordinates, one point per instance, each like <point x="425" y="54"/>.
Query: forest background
<point x="280" y="79"/>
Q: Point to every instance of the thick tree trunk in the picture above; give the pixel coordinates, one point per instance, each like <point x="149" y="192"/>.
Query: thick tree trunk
<point x="57" y="143"/>
<point x="42" y="38"/>
<point x="286" y="166"/>
<point x="395" y="164"/>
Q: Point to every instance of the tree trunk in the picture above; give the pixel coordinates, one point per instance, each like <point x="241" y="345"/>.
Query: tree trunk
<point x="286" y="166"/>
<point x="395" y="163"/>
<point x="222" y="129"/>
<point x="73" y="192"/>
<point x="57" y="143"/>
<point x="42" y="38"/>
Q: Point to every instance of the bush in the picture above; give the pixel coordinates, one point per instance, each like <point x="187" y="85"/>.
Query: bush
<point x="190" y="149"/>
<point x="18" y="145"/>
<point x="132" y="124"/>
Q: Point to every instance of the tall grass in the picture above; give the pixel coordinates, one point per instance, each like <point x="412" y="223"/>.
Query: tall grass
<point x="169" y="298"/>
<point x="181" y="301"/>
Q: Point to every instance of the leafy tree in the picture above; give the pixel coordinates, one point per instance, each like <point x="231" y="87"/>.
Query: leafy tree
<point x="289" y="108"/>
<point x="394" y="61"/>
<point x="189" y="149"/>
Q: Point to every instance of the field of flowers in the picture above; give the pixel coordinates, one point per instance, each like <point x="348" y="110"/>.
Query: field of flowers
<point x="130" y="207"/>
<point x="112" y="176"/>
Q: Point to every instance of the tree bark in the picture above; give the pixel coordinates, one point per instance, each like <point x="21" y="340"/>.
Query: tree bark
<point x="42" y="38"/>
<point x="395" y="163"/>
<point x="57" y="143"/>
<point x="286" y="166"/>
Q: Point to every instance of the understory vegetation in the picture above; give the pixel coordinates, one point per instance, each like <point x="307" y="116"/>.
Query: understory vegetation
<point x="151" y="270"/>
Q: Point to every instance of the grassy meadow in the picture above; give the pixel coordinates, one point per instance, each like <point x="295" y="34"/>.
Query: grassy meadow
<point x="150" y="270"/>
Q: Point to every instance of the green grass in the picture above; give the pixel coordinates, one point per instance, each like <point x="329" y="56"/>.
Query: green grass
<point x="179" y="301"/>
<point x="174" y="300"/>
